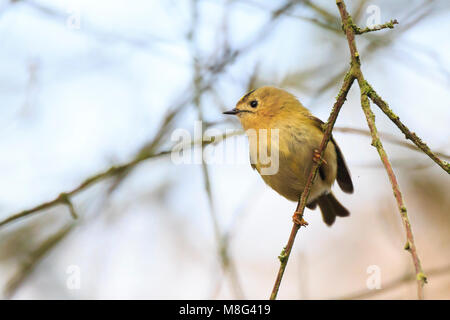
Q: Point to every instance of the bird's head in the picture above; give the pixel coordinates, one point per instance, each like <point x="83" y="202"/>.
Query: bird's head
<point x="259" y="107"/>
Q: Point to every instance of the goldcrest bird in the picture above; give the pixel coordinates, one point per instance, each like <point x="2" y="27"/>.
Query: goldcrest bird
<point x="299" y="137"/>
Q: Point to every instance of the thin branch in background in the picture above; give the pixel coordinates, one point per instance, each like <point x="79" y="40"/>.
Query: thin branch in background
<point x="62" y="198"/>
<point x="33" y="259"/>
<point x="30" y="95"/>
<point x="387" y="137"/>
<point x="386" y="25"/>
<point x="90" y="181"/>
<point x="233" y="228"/>
<point x="31" y="88"/>
<point x="29" y="265"/>
<point x="328" y="24"/>
<point x="376" y="142"/>
<point x="404" y="163"/>
<point x="438" y="64"/>
<point x="251" y="196"/>
<point x="207" y="76"/>
<point x="226" y="261"/>
<point x="144" y="42"/>
<point x="408" y="134"/>
<point x="394" y="284"/>
<point x="409" y="20"/>
<point x="66" y="200"/>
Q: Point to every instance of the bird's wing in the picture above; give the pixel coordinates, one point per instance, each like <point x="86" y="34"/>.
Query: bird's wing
<point x="343" y="175"/>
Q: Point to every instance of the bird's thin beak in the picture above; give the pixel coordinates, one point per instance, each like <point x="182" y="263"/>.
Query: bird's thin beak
<point x="232" y="111"/>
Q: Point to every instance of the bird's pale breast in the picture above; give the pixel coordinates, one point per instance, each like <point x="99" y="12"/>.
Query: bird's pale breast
<point x="296" y="149"/>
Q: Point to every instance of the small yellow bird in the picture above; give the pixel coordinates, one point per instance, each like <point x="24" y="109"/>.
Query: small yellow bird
<point x="299" y="136"/>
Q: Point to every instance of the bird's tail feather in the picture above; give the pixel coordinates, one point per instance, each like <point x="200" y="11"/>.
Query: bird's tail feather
<point x="330" y="208"/>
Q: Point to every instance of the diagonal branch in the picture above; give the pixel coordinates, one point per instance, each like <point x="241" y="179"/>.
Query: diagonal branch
<point x="34" y="258"/>
<point x="64" y="197"/>
<point x="226" y="260"/>
<point x="365" y="89"/>
<point x="355" y="72"/>
<point x="389" y="25"/>
<point x="408" y="134"/>
<point x="388" y="137"/>
<point x="439" y="271"/>
<point x="376" y="142"/>
<point x="284" y="257"/>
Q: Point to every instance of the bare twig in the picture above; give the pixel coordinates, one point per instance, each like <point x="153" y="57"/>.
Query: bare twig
<point x="412" y="18"/>
<point x="355" y="72"/>
<point x="408" y="134"/>
<point x="207" y="76"/>
<point x="410" y="245"/>
<point x="365" y="89"/>
<point x="226" y="260"/>
<point x="387" y="137"/>
<point x="34" y="258"/>
<point x="395" y="284"/>
<point x="328" y="24"/>
<point x="284" y="257"/>
<point x="63" y="198"/>
<point x="389" y="25"/>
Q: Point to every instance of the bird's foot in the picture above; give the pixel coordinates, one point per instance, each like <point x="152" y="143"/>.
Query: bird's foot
<point x="317" y="158"/>
<point x="297" y="218"/>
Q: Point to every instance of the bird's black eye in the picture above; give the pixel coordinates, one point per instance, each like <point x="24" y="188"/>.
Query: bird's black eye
<point x="254" y="104"/>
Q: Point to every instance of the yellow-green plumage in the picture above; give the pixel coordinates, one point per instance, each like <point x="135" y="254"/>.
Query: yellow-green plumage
<point x="300" y="133"/>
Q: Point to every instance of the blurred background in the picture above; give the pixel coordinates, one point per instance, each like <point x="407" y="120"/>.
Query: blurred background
<point x="92" y="86"/>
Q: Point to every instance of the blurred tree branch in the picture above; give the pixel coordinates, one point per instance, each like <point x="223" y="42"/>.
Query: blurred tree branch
<point x="408" y="134"/>
<point x="28" y="266"/>
<point x="144" y="42"/>
<point x="376" y="42"/>
<point x="64" y="197"/>
<point x="376" y="142"/>
<point x="112" y="171"/>
<point x="364" y="294"/>
<point x="389" y="25"/>
<point x="206" y="77"/>
<point x="226" y="260"/>
<point x="390" y="138"/>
